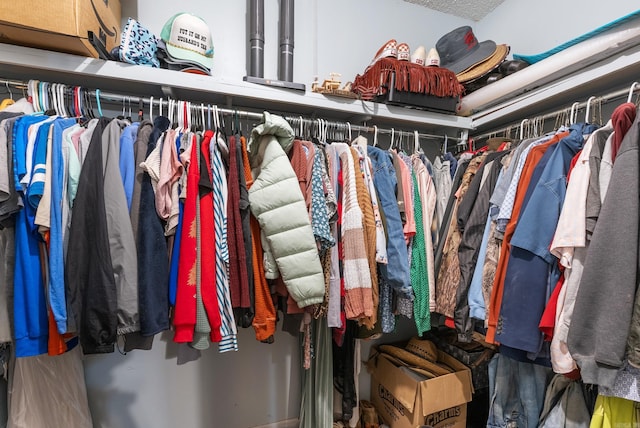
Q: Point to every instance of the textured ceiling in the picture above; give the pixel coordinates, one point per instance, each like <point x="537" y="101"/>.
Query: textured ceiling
<point x="470" y="9"/>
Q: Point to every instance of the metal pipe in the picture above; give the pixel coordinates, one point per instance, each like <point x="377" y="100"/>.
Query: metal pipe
<point x="256" y="38"/>
<point x="285" y="65"/>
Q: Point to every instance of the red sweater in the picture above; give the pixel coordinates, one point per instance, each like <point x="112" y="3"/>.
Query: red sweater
<point x="184" y="318"/>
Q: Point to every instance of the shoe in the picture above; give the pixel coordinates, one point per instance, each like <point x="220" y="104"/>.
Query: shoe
<point x="433" y="58"/>
<point x="419" y="56"/>
<point x="389" y="49"/>
<point x="368" y="415"/>
<point x="404" y="54"/>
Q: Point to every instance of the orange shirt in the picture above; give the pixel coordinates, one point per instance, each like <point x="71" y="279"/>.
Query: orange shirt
<point x="534" y="156"/>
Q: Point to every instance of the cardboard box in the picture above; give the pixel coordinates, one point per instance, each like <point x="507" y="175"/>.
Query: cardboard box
<point x="61" y="25"/>
<point x="405" y="401"/>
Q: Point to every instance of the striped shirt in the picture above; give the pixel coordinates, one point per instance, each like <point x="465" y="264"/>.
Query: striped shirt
<point x="228" y="329"/>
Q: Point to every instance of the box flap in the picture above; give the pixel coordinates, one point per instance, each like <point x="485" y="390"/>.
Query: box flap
<point x="402" y="386"/>
<point x="446" y="391"/>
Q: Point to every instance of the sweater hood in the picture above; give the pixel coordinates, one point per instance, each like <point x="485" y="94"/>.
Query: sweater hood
<point x="275" y="126"/>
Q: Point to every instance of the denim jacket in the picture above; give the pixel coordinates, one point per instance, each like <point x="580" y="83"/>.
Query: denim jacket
<point x="396" y="272"/>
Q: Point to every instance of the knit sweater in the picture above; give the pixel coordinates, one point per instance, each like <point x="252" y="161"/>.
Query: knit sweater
<point x="184" y="318"/>
<point x="357" y="276"/>
<point x="369" y="229"/>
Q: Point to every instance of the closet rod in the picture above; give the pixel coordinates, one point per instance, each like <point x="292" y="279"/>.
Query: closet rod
<point x="243" y="114"/>
<point x="611" y="96"/>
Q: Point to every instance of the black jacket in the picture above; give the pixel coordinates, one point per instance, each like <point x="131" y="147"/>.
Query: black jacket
<point x="91" y="287"/>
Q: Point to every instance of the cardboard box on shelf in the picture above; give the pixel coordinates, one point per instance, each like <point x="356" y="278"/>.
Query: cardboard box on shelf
<point x="404" y="400"/>
<point x="62" y="25"/>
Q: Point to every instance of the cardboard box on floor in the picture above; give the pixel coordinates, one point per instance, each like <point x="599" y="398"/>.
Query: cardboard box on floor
<point x="61" y="25"/>
<point x="404" y="401"/>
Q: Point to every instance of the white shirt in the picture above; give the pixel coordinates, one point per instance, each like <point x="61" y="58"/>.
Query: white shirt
<point x="571" y="228"/>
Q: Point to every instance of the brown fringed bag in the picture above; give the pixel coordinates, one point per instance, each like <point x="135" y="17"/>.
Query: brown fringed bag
<point x="410" y="77"/>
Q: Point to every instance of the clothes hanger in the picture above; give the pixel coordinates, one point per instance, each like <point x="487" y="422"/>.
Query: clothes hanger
<point x="522" y="128"/>
<point x="151" y="108"/>
<point x="221" y="133"/>
<point x="31" y="92"/>
<point x="574" y="110"/>
<point x="588" y="109"/>
<point x="190" y="121"/>
<point x="375" y="136"/>
<point x="393" y="136"/>
<point x="98" y="103"/>
<point x="7" y="101"/>
<point x="202" y="119"/>
<point x="140" y="110"/>
<point x="631" y="89"/>
<point x="416" y="142"/>
<point x="445" y="145"/>
<point x="129" y="103"/>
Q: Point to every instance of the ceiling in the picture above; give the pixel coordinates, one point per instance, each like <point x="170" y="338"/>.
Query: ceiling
<point x="469" y="9"/>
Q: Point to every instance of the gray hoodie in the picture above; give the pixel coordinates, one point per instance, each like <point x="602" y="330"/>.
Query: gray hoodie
<point x="605" y="302"/>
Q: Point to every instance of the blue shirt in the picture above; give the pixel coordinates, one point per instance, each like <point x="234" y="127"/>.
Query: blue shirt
<point x="127" y="159"/>
<point x="57" y="297"/>
<point x="19" y="152"/>
<point x="538" y="220"/>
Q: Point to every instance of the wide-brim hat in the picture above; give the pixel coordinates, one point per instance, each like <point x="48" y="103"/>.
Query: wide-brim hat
<point x="188" y="40"/>
<point x="459" y="49"/>
<point x="412" y="360"/>
<point x="484" y="67"/>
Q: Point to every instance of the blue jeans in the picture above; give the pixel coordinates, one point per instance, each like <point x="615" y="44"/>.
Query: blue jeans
<point x="517" y="392"/>
<point x="396" y="271"/>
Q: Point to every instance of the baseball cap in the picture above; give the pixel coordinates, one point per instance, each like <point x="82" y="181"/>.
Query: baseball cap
<point x="188" y="41"/>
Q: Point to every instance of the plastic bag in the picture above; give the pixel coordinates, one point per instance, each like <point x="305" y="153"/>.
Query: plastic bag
<point x="49" y="392"/>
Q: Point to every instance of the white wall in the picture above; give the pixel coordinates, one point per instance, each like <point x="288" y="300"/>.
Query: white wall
<point x="533" y="27"/>
<point x="330" y="35"/>
<point x="257" y="385"/>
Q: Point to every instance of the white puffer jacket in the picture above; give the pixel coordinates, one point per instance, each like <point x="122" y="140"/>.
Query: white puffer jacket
<point x="277" y="202"/>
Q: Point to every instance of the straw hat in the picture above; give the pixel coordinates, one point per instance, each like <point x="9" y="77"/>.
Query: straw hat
<point x="480" y="69"/>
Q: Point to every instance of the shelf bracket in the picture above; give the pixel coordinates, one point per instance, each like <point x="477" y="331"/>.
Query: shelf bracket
<point x="168" y="91"/>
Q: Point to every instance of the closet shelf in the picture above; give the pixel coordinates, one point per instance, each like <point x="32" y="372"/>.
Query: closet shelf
<point x="616" y="72"/>
<point x="17" y="62"/>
